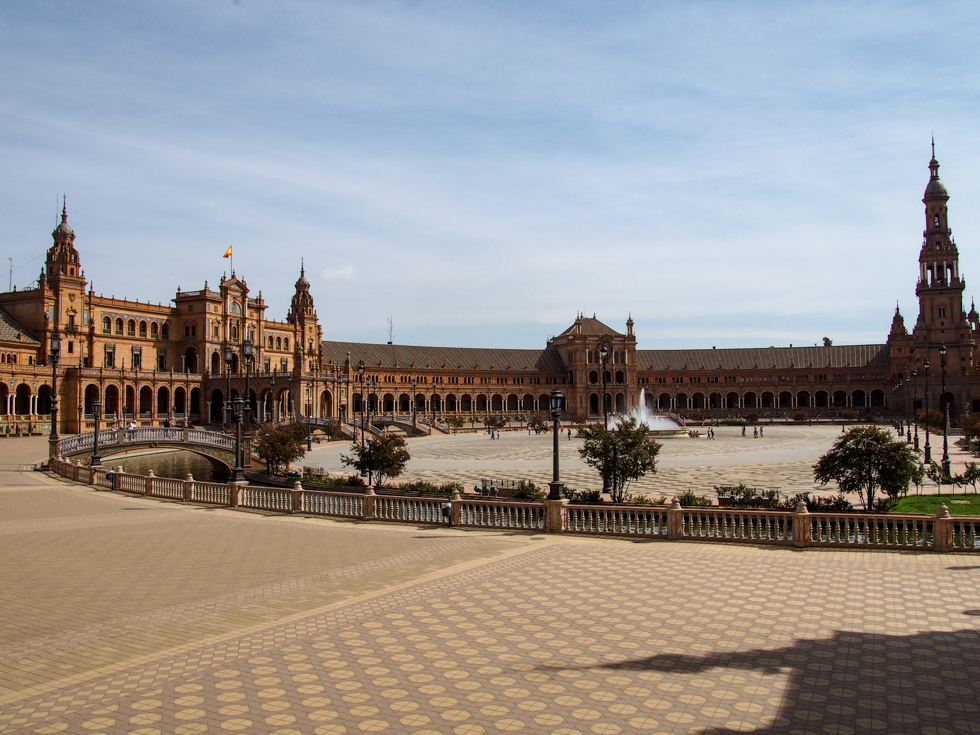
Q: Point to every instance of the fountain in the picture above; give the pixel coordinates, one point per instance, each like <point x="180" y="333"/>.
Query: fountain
<point x="660" y="424"/>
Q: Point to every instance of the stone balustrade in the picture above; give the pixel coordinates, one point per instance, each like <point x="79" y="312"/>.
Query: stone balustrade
<point x="798" y="528"/>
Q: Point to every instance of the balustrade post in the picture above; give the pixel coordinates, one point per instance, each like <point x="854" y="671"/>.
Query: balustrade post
<point x="117" y="479"/>
<point x="77" y="470"/>
<point x="370" y="501"/>
<point x="148" y="489"/>
<point x="233" y="489"/>
<point x="91" y="475"/>
<point x="188" y="487"/>
<point x="297" y="497"/>
<point x="186" y="434"/>
<point x="556" y="516"/>
<point x="457" y="509"/>
<point x="802" y="531"/>
<point x="942" y="530"/>
<point x="675" y="520"/>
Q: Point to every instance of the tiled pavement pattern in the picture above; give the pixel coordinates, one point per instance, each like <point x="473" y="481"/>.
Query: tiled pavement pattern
<point x="129" y="615"/>
<point x="784" y="458"/>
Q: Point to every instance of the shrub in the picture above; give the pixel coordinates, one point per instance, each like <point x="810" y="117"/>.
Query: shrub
<point x="836" y="504"/>
<point x="662" y="500"/>
<point x="689" y="499"/>
<point x="579" y="419"/>
<point x="800" y="417"/>
<point x="588" y="496"/>
<point x="752" y="418"/>
<point x="637" y="500"/>
<point x="850" y="415"/>
<point x="527" y="490"/>
<point x="736" y="491"/>
<point x="696" y="415"/>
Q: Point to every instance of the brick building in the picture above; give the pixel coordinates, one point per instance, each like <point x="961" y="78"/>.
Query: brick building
<point x="156" y="364"/>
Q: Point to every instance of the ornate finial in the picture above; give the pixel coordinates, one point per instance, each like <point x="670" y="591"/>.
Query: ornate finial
<point x="302" y="267"/>
<point x="64" y="208"/>
<point x="933" y="145"/>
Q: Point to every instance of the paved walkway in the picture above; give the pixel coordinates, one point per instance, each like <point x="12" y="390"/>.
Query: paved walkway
<point x="783" y="458"/>
<point x="131" y="615"/>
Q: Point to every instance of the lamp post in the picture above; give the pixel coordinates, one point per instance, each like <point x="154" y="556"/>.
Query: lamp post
<point x="908" y="426"/>
<point x="55" y="353"/>
<point x="869" y="447"/>
<point x="415" y="384"/>
<point x="96" y="414"/>
<point x="915" y="399"/>
<point x="360" y="377"/>
<point x="945" y="403"/>
<point x="228" y="356"/>
<point x="248" y="352"/>
<point x="272" y="389"/>
<point x="238" y="474"/>
<point x="604" y="355"/>
<point x="557" y="403"/>
<point x="928" y="456"/>
<point x="433" y="401"/>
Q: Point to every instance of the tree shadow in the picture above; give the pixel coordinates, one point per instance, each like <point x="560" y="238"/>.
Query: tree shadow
<point x="857" y="682"/>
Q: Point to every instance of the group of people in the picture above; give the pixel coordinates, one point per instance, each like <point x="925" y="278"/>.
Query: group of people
<point x="756" y="431"/>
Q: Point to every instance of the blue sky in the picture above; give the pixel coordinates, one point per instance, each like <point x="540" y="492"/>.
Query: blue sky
<point x="732" y="174"/>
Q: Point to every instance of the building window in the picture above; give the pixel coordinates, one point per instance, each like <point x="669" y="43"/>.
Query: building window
<point x="165" y="332"/>
<point x="109" y="360"/>
<point x="131" y="328"/>
<point x="137" y="360"/>
<point x="942" y="313"/>
<point x="119" y="326"/>
<point x="161" y="359"/>
<point x="154" y="330"/>
<point x="106" y="325"/>
<point x="71" y="348"/>
<point x="143" y="330"/>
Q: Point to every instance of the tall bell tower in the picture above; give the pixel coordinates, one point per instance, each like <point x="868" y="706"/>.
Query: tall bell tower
<point x="941" y="320"/>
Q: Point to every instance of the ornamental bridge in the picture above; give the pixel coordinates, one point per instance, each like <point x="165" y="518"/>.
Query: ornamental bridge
<point x="217" y="448"/>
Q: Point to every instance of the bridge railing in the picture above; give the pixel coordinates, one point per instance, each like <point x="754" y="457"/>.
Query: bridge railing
<point x="85" y="442"/>
<point x="904" y="532"/>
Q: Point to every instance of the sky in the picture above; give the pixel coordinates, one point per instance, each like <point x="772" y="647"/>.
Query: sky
<point x="729" y="174"/>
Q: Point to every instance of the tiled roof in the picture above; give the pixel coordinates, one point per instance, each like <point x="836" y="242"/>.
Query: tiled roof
<point x="780" y="358"/>
<point x="590" y="326"/>
<point x="10" y="328"/>
<point x="467" y="358"/>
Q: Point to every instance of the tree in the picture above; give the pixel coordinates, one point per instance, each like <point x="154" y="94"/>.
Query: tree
<point x="971" y="426"/>
<point x="277" y="446"/>
<point x="866" y="459"/>
<point x="918" y="477"/>
<point x="621" y="455"/>
<point x="935" y="473"/>
<point x="971" y="476"/>
<point x="383" y="457"/>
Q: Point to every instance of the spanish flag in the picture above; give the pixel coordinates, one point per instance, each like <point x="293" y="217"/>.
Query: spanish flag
<point x="227" y="253"/>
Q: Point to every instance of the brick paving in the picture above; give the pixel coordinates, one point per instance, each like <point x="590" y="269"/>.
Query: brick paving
<point x="132" y="615"/>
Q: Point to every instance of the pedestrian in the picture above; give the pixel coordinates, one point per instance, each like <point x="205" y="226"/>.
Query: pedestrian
<point x="755" y="433"/>
<point x="760" y="432"/>
<point x="743" y="429"/>
<point x="569" y="435"/>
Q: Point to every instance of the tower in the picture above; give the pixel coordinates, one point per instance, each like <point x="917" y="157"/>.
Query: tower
<point x="941" y="320"/>
<point x="302" y="315"/>
<point x="940" y="287"/>
<point x="62" y="289"/>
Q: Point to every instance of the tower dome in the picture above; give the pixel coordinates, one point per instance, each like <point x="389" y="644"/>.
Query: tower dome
<point x="935" y="188"/>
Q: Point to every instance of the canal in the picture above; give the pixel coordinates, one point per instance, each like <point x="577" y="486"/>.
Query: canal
<point x="175" y="463"/>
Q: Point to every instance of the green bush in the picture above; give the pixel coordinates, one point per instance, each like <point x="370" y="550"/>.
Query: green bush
<point x="752" y="418"/>
<point x="527" y="490"/>
<point x="637" y="500"/>
<point x="587" y="496"/>
<point x="689" y="499"/>
<point x="736" y="491"/>
<point x="836" y="504"/>
<point x="800" y="417"/>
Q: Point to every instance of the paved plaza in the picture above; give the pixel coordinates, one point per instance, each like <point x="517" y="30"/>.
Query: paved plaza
<point x="132" y="615"/>
<point x="783" y="458"/>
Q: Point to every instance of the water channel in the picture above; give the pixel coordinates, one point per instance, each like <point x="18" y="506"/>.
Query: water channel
<point x="176" y="463"/>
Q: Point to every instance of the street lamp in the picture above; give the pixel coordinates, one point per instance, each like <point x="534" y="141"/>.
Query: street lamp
<point x="229" y="354"/>
<point x="248" y="352"/>
<point x="272" y="389"/>
<point x="238" y="474"/>
<point x="433" y="400"/>
<point x="360" y="376"/>
<point x="55" y="353"/>
<point x="928" y="456"/>
<point x="557" y="404"/>
<point x="604" y="355"/>
<point x="942" y="355"/>
<point x="96" y="414"/>
<point x="915" y="399"/>
<point x="415" y="384"/>
<point x="908" y="426"/>
<point x="869" y="447"/>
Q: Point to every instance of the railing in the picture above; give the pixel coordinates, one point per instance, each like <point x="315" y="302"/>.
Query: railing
<point x="617" y="520"/>
<point x="416" y="510"/>
<point x="209" y="492"/>
<point x="79" y="443"/>
<point x="737" y="525"/>
<point x="941" y="532"/>
<point x="502" y="515"/>
<point x="897" y="532"/>
<point x="266" y="498"/>
<point x="332" y="504"/>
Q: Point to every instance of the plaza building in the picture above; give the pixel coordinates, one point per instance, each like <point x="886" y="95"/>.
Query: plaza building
<point x="167" y="364"/>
